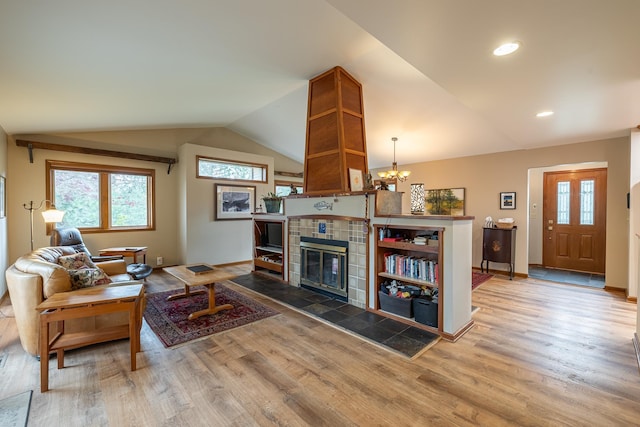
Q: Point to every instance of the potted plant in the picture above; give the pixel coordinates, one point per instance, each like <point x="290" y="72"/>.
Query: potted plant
<point x="272" y="202"/>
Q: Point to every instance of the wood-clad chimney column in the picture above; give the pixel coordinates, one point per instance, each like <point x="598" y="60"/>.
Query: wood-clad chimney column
<point x="335" y="133"/>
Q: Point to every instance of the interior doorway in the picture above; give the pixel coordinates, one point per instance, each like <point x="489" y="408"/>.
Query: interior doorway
<point x="564" y="245"/>
<point x="574" y="220"/>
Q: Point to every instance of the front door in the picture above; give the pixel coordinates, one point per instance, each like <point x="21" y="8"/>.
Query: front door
<point x="574" y="224"/>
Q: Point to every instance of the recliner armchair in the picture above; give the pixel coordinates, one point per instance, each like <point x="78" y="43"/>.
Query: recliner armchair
<point x="70" y="236"/>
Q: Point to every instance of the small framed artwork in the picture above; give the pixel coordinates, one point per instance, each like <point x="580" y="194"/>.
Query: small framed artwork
<point x="355" y="179"/>
<point x="508" y="200"/>
<point x="3" y="197"/>
<point x="234" y="201"/>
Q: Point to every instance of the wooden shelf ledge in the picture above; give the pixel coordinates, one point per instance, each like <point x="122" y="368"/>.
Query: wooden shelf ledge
<point x="30" y="145"/>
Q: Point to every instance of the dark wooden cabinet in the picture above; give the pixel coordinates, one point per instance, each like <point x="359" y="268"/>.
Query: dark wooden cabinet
<point x="499" y="245"/>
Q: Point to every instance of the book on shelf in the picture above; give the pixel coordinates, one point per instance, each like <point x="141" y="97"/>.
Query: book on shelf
<point x="411" y="267"/>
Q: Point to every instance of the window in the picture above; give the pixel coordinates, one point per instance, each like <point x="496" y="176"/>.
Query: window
<point x="236" y="171"/>
<point x="100" y="197"/>
<point x="564" y="202"/>
<point x="587" y="201"/>
<point x="283" y="188"/>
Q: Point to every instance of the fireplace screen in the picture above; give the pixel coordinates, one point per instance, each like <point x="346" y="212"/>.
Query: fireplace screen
<point x="324" y="265"/>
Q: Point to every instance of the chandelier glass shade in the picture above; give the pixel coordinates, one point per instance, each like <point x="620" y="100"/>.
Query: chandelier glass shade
<point x="393" y="173"/>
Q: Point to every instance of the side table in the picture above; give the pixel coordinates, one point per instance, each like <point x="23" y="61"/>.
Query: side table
<point x="129" y="251"/>
<point x="88" y="302"/>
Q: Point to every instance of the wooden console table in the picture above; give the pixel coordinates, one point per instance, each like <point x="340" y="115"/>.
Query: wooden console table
<point x="82" y="303"/>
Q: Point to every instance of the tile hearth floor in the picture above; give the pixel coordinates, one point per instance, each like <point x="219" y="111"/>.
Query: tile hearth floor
<point x="398" y="336"/>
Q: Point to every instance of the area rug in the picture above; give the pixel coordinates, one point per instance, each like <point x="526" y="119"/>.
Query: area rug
<point x="168" y="319"/>
<point x="14" y="410"/>
<point x="478" y="279"/>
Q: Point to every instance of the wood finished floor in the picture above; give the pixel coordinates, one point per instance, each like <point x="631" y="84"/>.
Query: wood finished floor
<point x="540" y="354"/>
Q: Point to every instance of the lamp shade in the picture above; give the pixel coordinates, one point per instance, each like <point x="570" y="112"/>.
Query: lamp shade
<point x="52" y="215"/>
<point x="417" y="199"/>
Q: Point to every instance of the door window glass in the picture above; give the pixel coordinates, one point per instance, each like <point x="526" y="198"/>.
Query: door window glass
<point x="564" y="205"/>
<point x="587" y="194"/>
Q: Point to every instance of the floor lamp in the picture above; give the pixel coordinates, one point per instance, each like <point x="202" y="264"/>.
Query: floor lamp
<point x="51" y="215"/>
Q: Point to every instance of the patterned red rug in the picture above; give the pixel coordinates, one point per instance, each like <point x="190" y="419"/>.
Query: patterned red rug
<point x="168" y="319"/>
<point x="478" y="279"/>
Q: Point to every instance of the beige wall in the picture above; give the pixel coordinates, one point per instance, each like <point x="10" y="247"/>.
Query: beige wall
<point x="484" y="177"/>
<point x="4" y="242"/>
<point x="205" y="239"/>
<point x="634" y="226"/>
<point x="26" y="182"/>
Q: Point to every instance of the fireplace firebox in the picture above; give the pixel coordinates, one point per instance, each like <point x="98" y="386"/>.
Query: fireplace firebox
<point x="323" y="266"/>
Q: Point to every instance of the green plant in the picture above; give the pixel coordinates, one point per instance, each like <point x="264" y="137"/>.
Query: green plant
<point x="271" y="196"/>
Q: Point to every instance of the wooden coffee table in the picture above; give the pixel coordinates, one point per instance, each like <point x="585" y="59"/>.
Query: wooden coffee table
<point x="208" y="279"/>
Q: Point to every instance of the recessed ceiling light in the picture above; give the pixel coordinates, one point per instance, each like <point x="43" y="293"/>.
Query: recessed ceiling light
<point x="544" y="114"/>
<point x="506" y="49"/>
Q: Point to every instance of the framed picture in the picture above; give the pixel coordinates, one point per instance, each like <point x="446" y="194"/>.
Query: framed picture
<point x="3" y="197"/>
<point x="446" y="201"/>
<point x="508" y="200"/>
<point x="234" y="201"/>
<point x="355" y="179"/>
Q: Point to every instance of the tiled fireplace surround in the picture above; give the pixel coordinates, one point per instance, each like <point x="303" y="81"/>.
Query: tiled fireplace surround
<point x="336" y="229"/>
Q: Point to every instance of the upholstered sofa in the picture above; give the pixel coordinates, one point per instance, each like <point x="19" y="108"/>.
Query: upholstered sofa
<point x="38" y="275"/>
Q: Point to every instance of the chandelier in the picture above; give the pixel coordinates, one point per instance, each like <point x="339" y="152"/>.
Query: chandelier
<point x="393" y="173"/>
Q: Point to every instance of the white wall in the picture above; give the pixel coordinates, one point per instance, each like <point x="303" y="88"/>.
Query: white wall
<point x="208" y="240"/>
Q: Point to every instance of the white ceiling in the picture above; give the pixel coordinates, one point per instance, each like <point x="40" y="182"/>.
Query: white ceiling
<point x="426" y="68"/>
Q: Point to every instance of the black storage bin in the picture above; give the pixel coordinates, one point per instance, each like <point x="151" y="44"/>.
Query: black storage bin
<point x="395" y="305"/>
<point x="426" y="311"/>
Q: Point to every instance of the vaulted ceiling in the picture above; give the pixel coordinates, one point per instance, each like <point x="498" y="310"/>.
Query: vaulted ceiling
<point x="426" y="66"/>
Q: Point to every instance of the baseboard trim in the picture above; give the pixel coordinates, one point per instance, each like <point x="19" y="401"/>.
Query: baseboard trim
<point x="229" y="264"/>
<point x="632" y="299"/>
<point x="500" y="272"/>
<point x="459" y="333"/>
<point x="636" y="345"/>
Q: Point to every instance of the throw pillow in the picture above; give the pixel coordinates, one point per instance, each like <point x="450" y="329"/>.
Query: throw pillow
<point x="76" y="261"/>
<point x="85" y="278"/>
<point x="82" y="271"/>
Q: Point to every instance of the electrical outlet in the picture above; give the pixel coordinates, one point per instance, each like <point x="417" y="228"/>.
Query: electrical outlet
<point x="159" y="260"/>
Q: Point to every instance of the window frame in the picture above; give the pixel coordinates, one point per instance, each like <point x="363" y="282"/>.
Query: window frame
<point x="265" y="168"/>
<point x="105" y="172"/>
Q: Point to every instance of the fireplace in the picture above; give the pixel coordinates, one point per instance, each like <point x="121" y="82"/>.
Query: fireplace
<point x="323" y="266"/>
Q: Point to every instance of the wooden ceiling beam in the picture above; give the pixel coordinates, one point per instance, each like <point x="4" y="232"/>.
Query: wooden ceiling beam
<point x="30" y="145"/>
